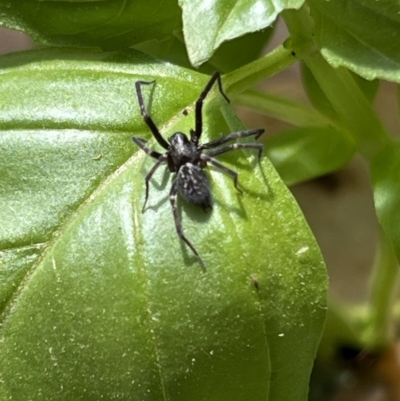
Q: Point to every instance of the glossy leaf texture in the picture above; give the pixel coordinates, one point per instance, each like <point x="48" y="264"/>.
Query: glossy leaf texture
<point x="207" y="24"/>
<point x="362" y="35"/>
<point x="102" y="301"/>
<point x="106" y="24"/>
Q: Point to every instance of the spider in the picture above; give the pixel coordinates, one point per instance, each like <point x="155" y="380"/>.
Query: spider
<point x="187" y="158"/>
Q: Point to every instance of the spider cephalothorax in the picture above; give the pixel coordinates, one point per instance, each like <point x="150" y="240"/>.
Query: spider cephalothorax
<point x="187" y="158"/>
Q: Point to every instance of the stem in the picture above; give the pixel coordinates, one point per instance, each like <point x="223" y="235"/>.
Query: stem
<point x="265" y="67"/>
<point x="383" y="285"/>
<point x="300" y="25"/>
<point x="346" y="98"/>
<point x="282" y="109"/>
<point x="350" y="104"/>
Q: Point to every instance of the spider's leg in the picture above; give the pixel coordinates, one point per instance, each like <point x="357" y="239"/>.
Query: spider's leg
<point x="230" y="137"/>
<point x="173" y="200"/>
<point x="196" y="134"/>
<point x="234" y="146"/>
<point x="142" y="145"/>
<point x="223" y="168"/>
<point x="146" y="116"/>
<point x="162" y="159"/>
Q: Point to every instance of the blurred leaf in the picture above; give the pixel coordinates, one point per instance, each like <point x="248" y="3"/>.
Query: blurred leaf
<point x="206" y="25"/>
<point x="386" y="185"/>
<point x="355" y="114"/>
<point x="378" y="333"/>
<point x="106" y="24"/>
<point x="235" y="53"/>
<point x="306" y="153"/>
<point x="319" y="99"/>
<point x="369" y="88"/>
<point x="225" y="59"/>
<point x="343" y="328"/>
<point x="102" y="301"/>
<point x="170" y="49"/>
<point x="316" y="94"/>
<point x="361" y="35"/>
<point x="283" y="109"/>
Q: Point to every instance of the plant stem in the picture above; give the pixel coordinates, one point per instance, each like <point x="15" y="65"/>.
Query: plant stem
<point x="265" y="67"/>
<point x="282" y="109"/>
<point x="383" y="284"/>
<point x="354" y="112"/>
<point x="351" y="106"/>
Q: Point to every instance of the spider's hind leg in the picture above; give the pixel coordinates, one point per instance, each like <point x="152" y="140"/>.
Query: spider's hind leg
<point x="161" y="160"/>
<point x="178" y="225"/>
<point x="223" y="168"/>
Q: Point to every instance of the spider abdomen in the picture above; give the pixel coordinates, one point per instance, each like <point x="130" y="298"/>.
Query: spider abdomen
<point x="193" y="185"/>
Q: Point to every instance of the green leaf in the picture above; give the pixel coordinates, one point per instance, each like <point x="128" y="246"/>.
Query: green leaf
<point x="361" y="35"/>
<point x="283" y="109"/>
<point x="225" y="59"/>
<point x="206" y="25"/>
<point x="102" y="301"/>
<point x="236" y="53"/>
<point x="386" y="186"/>
<point x="106" y="24"/>
<point x="379" y="330"/>
<point x="368" y="88"/>
<point x="306" y="153"/>
<point x="355" y="114"/>
<point x="342" y="328"/>
<point x="320" y="100"/>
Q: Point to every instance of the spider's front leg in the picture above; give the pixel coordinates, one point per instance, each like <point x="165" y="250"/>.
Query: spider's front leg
<point x="173" y="200"/>
<point x="196" y="134"/>
<point x="231" y="137"/>
<point x="234" y="146"/>
<point x="142" y="145"/>
<point x="146" y="116"/>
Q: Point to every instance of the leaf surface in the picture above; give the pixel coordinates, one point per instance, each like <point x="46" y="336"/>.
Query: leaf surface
<point x="384" y="172"/>
<point x="106" y="24"/>
<point x="361" y="35"/>
<point x="305" y="153"/>
<point x="101" y="301"/>
<point x="206" y="25"/>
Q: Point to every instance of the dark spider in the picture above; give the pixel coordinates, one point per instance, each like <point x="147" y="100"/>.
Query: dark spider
<point x="185" y="157"/>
